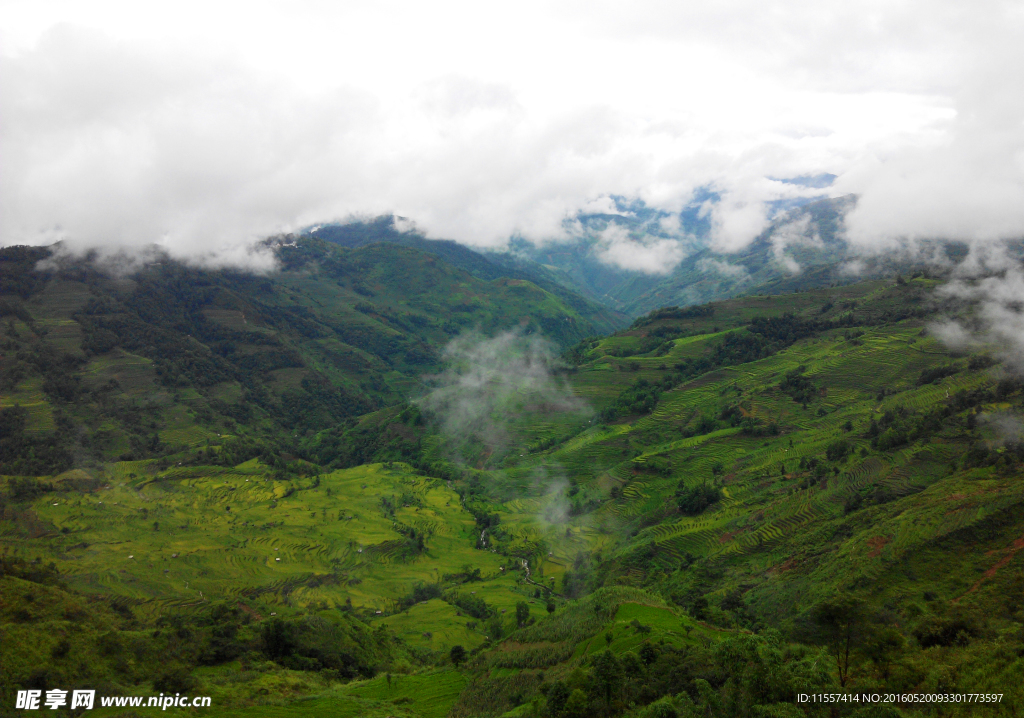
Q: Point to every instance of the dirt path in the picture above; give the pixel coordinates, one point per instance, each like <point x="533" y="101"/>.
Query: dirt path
<point x="1011" y="551"/>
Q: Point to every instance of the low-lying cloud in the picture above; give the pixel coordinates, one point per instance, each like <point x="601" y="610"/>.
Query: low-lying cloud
<point x="993" y="283"/>
<point x="206" y="131"/>
<point x="491" y="382"/>
<point x="798" y="233"/>
<point x="707" y="265"/>
<point x="646" y="253"/>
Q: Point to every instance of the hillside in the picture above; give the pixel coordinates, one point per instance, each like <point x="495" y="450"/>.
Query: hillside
<point x="705" y="513"/>
<point x="143" y="366"/>
<point x="482" y="265"/>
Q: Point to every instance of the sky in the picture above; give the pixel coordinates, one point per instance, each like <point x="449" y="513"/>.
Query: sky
<point x="202" y="127"/>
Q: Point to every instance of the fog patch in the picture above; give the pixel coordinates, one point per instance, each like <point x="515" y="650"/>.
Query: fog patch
<point x="121" y="261"/>
<point x="723" y="269"/>
<point x="552" y="486"/>
<point x="798" y="233"/>
<point x="998" y="297"/>
<point x="492" y="382"/>
<point x="1008" y="428"/>
<point x="647" y="254"/>
<point x="853" y="268"/>
<point x="952" y="334"/>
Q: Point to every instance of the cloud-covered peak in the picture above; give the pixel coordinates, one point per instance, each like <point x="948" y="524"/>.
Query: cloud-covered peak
<point x="203" y="130"/>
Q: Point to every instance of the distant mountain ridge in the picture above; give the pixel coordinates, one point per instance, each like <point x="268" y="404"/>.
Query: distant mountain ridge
<point x="802" y="248"/>
<point x="482" y="265"/>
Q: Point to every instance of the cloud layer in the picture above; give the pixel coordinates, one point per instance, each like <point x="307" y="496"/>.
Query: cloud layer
<point x="648" y="254"/>
<point x="207" y="128"/>
<point x="997" y="294"/>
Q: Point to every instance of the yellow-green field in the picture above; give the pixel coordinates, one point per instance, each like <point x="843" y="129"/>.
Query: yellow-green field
<point x="186" y="535"/>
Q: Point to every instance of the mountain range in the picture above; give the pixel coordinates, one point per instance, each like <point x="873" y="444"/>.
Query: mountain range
<point x="399" y="477"/>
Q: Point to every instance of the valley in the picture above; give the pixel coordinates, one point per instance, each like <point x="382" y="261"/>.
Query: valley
<point x="255" y="488"/>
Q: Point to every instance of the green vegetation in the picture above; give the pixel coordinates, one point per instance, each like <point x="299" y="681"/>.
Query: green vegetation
<point x="693" y="500"/>
<point x="233" y="486"/>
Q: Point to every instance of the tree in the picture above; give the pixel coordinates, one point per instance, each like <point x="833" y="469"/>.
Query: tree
<point x="175" y="679"/>
<point x="494" y="629"/>
<point x="607" y="673"/>
<point x="883" y="647"/>
<point x="700" y="608"/>
<point x="733" y="601"/>
<point x="278" y="639"/>
<point x="522" y="613"/>
<point x="837" y="450"/>
<point x="458" y="655"/>
<point x="662" y="709"/>
<point x="695" y="499"/>
<point x="576" y="705"/>
<point x="558" y="694"/>
<point x="838" y="621"/>
<point x="631" y="666"/>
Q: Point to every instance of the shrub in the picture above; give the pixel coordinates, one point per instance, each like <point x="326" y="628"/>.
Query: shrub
<point x="754" y="427"/>
<point x="420" y="593"/>
<point x="980" y="361"/>
<point x="694" y="500"/>
<point x="853" y="503"/>
<point x="473" y="605"/>
<point x="457" y="655"/>
<point x="957" y="629"/>
<point x="837" y="450"/>
<point x="639" y="398"/>
<point x="176" y="679"/>
<point x="890" y="439"/>
<point x="933" y="374"/>
<point x="799" y="388"/>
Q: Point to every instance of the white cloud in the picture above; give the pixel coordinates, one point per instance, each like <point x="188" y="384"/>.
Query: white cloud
<point x="796" y="233"/>
<point x="490" y="381"/>
<point x="201" y="128"/>
<point x="952" y="334"/>
<point x="994" y="284"/>
<point x="735" y="221"/>
<point x="648" y="254"/>
<point x="964" y="179"/>
<point x="603" y="205"/>
<point x="717" y="266"/>
<point x="670" y="224"/>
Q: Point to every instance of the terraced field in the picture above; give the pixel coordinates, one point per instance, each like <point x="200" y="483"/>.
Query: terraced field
<point x="830" y="465"/>
<point x="191" y="534"/>
<point x="29" y="395"/>
<point x="767" y="505"/>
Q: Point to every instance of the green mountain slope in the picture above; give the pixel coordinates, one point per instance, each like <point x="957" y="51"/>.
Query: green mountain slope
<point x="847" y="461"/>
<point x="173" y="356"/>
<point x="707" y="513"/>
<point x="487" y="266"/>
